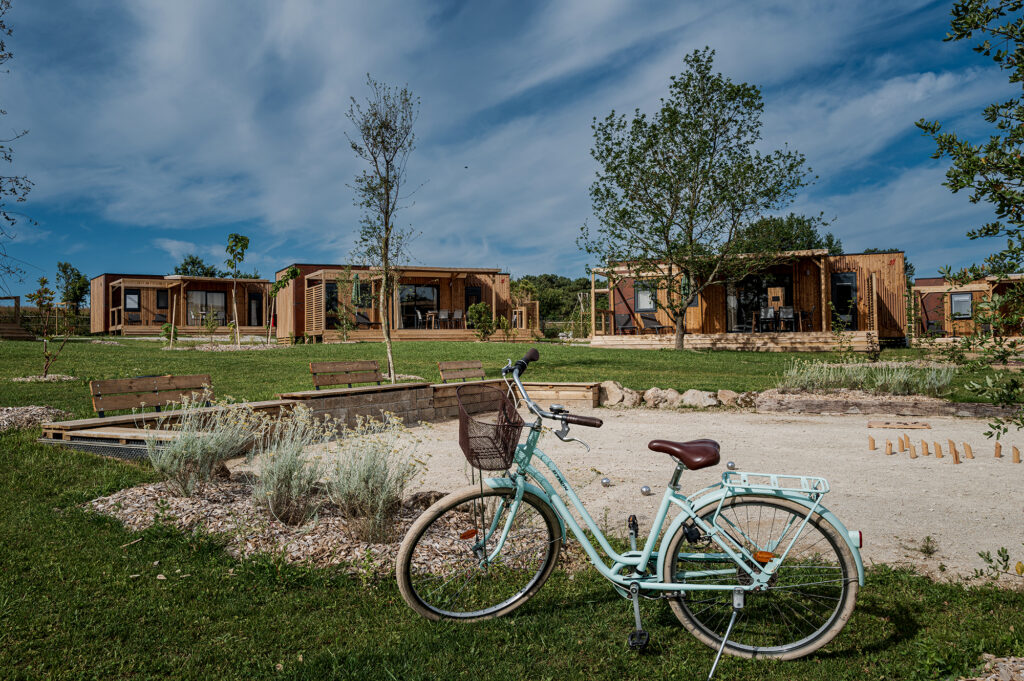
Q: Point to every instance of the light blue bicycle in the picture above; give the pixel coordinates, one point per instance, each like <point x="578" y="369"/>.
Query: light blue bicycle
<point x="754" y="566"/>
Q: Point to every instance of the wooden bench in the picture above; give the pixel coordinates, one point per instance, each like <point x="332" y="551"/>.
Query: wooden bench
<point x="451" y="371"/>
<point x="146" y="391"/>
<point x="345" y="373"/>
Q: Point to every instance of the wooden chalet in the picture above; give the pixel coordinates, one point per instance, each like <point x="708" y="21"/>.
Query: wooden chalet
<point x="429" y="303"/>
<point x="950" y="311"/>
<point x="140" y="304"/>
<point x="785" y="307"/>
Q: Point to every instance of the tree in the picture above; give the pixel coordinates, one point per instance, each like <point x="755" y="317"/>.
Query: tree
<point x="237" y="245"/>
<point x="194" y="266"/>
<point x="73" y="285"/>
<point x="61" y="326"/>
<point x="13" y="188"/>
<point x="992" y="171"/>
<point x="383" y="141"/>
<point x="677" y="191"/>
<point x="790" y="233"/>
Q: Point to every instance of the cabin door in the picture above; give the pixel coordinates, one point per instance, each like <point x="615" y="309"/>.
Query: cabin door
<point x="844" y="298"/>
<point x="255" y="309"/>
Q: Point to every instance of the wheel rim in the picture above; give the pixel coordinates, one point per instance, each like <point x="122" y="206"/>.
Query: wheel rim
<point x="453" y="570"/>
<point x="801" y="602"/>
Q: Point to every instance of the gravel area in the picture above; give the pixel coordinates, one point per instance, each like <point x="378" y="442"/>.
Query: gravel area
<point x="222" y="347"/>
<point x="49" y="378"/>
<point x="1000" y="669"/>
<point x="27" y="417"/>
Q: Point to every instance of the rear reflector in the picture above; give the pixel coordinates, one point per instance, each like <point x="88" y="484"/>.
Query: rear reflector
<point x="857" y="537"/>
<point x="764" y="556"/>
<point x="468" y="534"/>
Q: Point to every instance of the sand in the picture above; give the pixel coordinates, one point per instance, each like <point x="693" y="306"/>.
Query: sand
<point x="897" y="502"/>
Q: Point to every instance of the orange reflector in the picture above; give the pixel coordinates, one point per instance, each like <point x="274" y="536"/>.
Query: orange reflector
<point x="468" y="534"/>
<point x="764" y="556"/>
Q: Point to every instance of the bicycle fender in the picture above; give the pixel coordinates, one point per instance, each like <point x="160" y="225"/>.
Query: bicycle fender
<point x="717" y="495"/>
<point x="506" y="483"/>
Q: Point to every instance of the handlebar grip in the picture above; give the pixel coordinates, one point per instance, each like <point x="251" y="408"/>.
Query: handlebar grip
<point x="531" y="356"/>
<point x="589" y="421"/>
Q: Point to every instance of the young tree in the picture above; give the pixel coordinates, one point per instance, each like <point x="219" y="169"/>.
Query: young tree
<point x="53" y="323"/>
<point x="73" y="285"/>
<point x="12" y="187"/>
<point x="237" y="245"/>
<point x="194" y="266"/>
<point x="676" y="191"/>
<point x="383" y="141"/>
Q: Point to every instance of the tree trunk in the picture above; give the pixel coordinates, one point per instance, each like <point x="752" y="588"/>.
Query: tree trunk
<point x="385" y="325"/>
<point x="234" y="311"/>
<point x="680" y="330"/>
<point x="270" y="322"/>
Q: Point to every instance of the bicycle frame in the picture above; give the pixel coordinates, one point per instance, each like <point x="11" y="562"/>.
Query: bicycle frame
<point x="805" y="491"/>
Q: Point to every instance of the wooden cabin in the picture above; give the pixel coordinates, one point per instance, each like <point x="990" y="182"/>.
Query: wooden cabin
<point x="140" y="304"/>
<point x="950" y="311"/>
<point x="866" y="290"/>
<point x="429" y="303"/>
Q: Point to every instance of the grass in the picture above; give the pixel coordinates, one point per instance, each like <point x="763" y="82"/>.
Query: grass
<point x="72" y="607"/>
<point x="258" y="375"/>
<point x="885" y="379"/>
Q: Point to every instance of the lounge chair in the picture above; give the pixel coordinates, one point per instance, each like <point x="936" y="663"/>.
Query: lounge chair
<point x="624" y="323"/>
<point x="363" y="320"/>
<point x="651" y="323"/>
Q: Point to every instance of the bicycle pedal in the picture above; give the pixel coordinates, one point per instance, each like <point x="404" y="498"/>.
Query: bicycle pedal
<point x="638" y="639"/>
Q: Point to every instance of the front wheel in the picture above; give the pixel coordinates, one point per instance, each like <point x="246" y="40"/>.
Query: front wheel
<point x="449" y="565"/>
<point x="807" y="601"/>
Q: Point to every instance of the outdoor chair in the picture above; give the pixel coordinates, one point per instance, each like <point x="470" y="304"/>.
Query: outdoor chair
<point x="787" y="318"/>
<point x="442" y="318"/>
<point x="133" y="317"/>
<point x="624" y="323"/>
<point x="651" y="323"/>
<point x="766" y="320"/>
<point x="419" y="319"/>
<point x="807" y="318"/>
<point x="363" y="320"/>
<point x="457" y="320"/>
<point x="159" y="319"/>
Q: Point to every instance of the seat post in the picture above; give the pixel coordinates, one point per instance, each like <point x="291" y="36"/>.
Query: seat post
<point x="674" y="482"/>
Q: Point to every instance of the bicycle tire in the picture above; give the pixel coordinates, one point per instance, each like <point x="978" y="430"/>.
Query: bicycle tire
<point x="435" y="553"/>
<point x="783" y="622"/>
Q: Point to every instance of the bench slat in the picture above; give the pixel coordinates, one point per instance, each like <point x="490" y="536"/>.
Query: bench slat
<point x="345" y="379"/>
<point x="463" y="364"/>
<point x="148" y="384"/>
<point x="471" y="368"/>
<point x="102" y="403"/>
<point x="462" y="373"/>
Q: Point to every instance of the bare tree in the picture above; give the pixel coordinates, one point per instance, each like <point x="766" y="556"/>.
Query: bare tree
<point x="383" y="140"/>
<point x="12" y="187"/>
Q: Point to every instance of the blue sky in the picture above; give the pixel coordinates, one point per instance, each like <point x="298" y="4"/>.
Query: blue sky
<point x="157" y="128"/>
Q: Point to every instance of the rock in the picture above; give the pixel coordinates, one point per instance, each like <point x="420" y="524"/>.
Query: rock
<point x="610" y="394"/>
<point x="423" y="500"/>
<point x="654" y="397"/>
<point x="630" y="398"/>
<point x="672" y="399"/>
<point x="699" y="398"/>
<point x="747" y="400"/>
<point x="728" y="397"/>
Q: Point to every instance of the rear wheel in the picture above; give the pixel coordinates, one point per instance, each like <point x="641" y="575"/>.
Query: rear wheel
<point x="447" y="567"/>
<point x="807" y="601"/>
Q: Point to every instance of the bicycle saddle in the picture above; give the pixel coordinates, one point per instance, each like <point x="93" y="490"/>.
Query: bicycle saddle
<point x="693" y="454"/>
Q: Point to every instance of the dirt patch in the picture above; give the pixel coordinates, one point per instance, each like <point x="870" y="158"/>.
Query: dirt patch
<point x="106" y="342"/>
<point x="49" y="378"/>
<point x="27" y="417"/>
<point x="845" y="401"/>
<point x="216" y="347"/>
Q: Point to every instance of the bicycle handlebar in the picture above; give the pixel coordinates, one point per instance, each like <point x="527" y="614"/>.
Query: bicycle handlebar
<point x="589" y="421"/>
<point x="518" y="368"/>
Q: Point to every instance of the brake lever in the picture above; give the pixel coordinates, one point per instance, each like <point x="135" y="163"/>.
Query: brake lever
<point x="564" y="430"/>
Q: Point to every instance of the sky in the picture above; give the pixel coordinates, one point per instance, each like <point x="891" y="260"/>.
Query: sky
<point x="157" y="128"/>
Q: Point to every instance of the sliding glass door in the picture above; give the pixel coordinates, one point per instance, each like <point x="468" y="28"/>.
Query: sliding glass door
<point x="203" y="303"/>
<point x="415" y="301"/>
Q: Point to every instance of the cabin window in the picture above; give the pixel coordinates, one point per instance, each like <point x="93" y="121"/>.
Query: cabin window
<point x="960" y="305"/>
<point x="415" y="302"/>
<point x="202" y="304"/>
<point x="643" y="298"/>
<point x="684" y="290"/>
<point x="161" y="300"/>
<point x="131" y="299"/>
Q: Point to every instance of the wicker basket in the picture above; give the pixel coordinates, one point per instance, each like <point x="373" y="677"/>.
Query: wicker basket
<point x="488" y="437"/>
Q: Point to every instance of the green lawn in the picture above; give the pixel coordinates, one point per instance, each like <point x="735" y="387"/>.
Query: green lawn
<point x="256" y="375"/>
<point x="70" y="608"/>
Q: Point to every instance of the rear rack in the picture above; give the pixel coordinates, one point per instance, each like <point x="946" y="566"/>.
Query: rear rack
<point x="774" y="482"/>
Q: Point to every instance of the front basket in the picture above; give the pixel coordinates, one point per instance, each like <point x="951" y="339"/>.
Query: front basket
<point x="489" y="435"/>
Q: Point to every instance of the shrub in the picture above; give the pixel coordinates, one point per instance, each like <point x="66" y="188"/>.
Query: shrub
<point x="481" y="319"/>
<point x="889" y="379"/>
<point x="375" y="463"/>
<point x="206" y="437"/>
<point x="287" y="475"/>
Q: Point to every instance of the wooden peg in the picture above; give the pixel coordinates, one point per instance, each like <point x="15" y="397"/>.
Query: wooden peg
<point x="1016" y="455"/>
<point x="999" y="450"/>
<point x="951" y="447"/>
<point x="938" y="450"/>
<point x="888" y="447"/>
<point x="913" y="454"/>
<point x="899" y="444"/>
<point x="871" y="443"/>
<point x="906" y="439"/>
<point x="924" y="448"/>
<point x="968" y="452"/>
<point x="956" y="455"/>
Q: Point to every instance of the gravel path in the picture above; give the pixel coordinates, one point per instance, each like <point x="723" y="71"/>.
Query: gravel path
<point x="894" y="500"/>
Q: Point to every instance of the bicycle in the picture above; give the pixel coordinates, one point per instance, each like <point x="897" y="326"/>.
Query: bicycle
<point x="754" y="566"/>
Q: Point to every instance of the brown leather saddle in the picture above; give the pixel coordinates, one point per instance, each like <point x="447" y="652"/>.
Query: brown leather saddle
<point x="693" y="454"/>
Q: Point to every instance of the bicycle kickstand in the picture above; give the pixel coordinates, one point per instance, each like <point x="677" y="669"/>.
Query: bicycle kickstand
<point x="638" y="638"/>
<point x="738" y="599"/>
